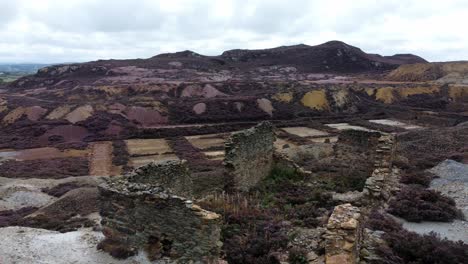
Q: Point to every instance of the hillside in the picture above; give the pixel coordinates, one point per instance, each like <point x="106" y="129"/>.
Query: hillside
<point x="331" y="57"/>
<point x="442" y="72"/>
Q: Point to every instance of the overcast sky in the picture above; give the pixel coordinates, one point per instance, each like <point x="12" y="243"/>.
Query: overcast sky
<point x="53" y="31"/>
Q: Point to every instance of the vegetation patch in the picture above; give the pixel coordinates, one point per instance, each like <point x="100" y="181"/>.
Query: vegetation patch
<point x="416" y="204"/>
<point x="403" y="246"/>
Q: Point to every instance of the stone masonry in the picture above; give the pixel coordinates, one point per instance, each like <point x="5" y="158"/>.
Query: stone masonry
<point x="343" y="235"/>
<point x="384" y="178"/>
<point x="249" y="155"/>
<point x="174" y="175"/>
<point x="140" y="214"/>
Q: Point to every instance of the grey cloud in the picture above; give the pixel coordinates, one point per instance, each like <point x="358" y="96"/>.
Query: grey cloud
<point x="80" y="30"/>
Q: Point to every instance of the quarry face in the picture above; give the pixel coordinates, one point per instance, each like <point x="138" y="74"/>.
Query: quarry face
<point x="261" y="156"/>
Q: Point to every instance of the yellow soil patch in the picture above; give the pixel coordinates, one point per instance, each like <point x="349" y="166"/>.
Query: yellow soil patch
<point x="458" y="92"/>
<point x="139" y="147"/>
<point x="414" y="72"/>
<point x="80" y="114"/>
<point x="283" y="97"/>
<point x="405" y="92"/>
<point x="14" y="115"/>
<point x="341" y="97"/>
<point x="385" y="95"/>
<point x="428" y="71"/>
<point x="369" y="91"/>
<point x="389" y="95"/>
<point x="59" y="112"/>
<point x="136" y="162"/>
<point x="304" y="131"/>
<point x="206" y="141"/>
<point x="316" y="99"/>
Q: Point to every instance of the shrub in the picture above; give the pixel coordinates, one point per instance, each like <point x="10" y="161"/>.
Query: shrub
<point x="297" y="256"/>
<point x="421" y="177"/>
<point x="403" y="246"/>
<point x="416" y="204"/>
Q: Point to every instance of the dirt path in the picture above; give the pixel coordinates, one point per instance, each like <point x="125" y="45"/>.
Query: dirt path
<point x="100" y="159"/>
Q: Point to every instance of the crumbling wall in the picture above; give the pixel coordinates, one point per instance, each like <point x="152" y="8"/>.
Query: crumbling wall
<point x="364" y="139"/>
<point x="343" y="235"/>
<point x="249" y="155"/>
<point x="384" y="178"/>
<point x="140" y="213"/>
<point x="174" y="175"/>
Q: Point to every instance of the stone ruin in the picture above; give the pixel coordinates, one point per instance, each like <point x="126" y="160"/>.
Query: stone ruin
<point x="384" y="179"/>
<point x="174" y="175"/>
<point x="249" y="155"/>
<point x="151" y="209"/>
<point x="343" y="235"/>
<point x="147" y="211"/>
<point x="347" y="241"/>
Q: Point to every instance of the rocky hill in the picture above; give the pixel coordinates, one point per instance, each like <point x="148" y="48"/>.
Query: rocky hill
<point x="331" y="57"/>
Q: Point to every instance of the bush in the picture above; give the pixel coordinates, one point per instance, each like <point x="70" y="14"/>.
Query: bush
<point x="403" y="246"/>
<point x="244" y="244"/>
<point x="421" y="178"/>
<point x="297" y="256"/>
<point x="417" y="204"/>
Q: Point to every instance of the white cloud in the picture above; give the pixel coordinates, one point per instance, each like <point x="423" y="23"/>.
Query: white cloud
<point x="82" y="30"/>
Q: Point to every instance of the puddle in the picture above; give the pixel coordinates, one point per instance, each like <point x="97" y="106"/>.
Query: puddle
<point x="346" y="126"/>
<point x="395" y="123"/>
<point x="214" y="155"/>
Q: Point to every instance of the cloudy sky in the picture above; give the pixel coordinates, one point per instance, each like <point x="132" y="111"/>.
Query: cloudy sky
<point x="53" y="31"/>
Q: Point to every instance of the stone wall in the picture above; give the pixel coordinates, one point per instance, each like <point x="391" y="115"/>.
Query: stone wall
<point x="139" y="213"/>
<point x="343" y="235"/>
<point x="249" y="155"/>
<point x="365" y="139"/>
<point x="174" y="175"/>
<point x="384" y="178"/>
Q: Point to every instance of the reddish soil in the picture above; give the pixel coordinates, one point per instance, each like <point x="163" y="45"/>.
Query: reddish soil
<point x="146" y="117"/>
<point x="68" y="133"/>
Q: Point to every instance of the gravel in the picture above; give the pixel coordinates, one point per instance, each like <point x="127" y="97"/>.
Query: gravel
<point x="23" y="245"/>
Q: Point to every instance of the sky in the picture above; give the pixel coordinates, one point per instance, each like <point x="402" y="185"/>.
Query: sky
<point x="54" y="31"/>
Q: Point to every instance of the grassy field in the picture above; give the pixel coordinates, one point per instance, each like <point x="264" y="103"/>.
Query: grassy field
<point x="10" y="77"/>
